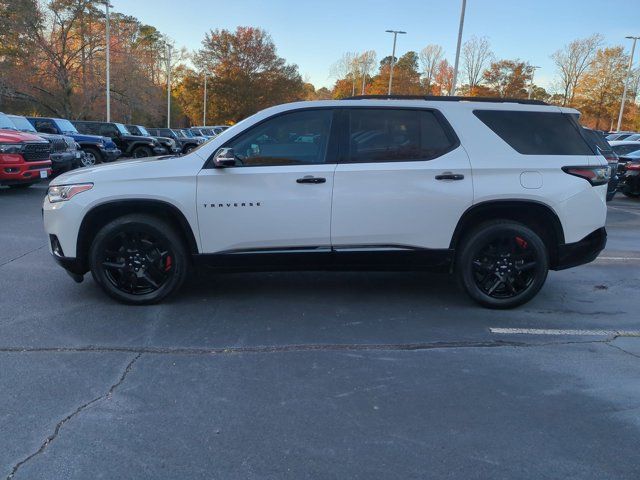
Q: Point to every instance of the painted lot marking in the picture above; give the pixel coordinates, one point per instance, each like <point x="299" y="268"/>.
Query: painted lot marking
<point x="558" y="331"/>
<point x="617" y="259"/>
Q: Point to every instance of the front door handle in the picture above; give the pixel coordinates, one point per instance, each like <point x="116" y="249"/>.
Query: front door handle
<point x="311" y="179"/>
<point x="450" y="176"/>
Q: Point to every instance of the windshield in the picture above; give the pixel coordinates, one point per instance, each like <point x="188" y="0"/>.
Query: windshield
<point x="143" y="131"/>
<point x="179" y="133"/>
<point x="207" y="131"/>
<point x="6" y="123"/>
<point x="122" y="129"/>
<point x="65" y="126"/>
<point x="23" y="124"/>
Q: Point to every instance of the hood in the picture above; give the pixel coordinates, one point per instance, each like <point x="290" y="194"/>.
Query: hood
<point x="13" y="136"/>
<point x="81" y="137"/>
<point x="137" y="138"/>
<point x="134" y="171"/>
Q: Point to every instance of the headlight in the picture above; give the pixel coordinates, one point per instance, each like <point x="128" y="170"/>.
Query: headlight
<point x="11" y="147"/>
<point x="62" y="193"/>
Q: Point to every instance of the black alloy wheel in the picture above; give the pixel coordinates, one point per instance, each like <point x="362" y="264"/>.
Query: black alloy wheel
<point x="138" y="259"/>
<point x="502" y="264"/>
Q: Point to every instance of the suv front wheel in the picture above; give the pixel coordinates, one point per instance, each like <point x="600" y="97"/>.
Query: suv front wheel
<point x="502" y="264"/>
<point x="138" y="259"/>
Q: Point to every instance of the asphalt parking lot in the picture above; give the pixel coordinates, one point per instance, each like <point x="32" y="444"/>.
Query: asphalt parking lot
<point x="317" y="375"/>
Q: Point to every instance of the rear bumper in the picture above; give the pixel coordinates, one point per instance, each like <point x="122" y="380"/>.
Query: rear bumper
<point x="583" y="251"/>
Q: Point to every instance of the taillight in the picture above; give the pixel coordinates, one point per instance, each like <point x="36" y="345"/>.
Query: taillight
<point x="594" y="175"/>
<point x="633" y="166"/>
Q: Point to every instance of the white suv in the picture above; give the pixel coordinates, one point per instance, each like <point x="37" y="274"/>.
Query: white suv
<point x="498" y="192"/>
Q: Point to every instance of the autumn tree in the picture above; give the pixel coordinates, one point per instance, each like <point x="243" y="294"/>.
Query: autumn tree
<point x="345" y="69"/>
<point x="443" y="80"/>
<point x="406" y="77"/>
<point x="247" y="74"/>
<point x="430" y="58"/>
<point x="476" y="54"/>
<point x="572" y="61"/>
<point x="599" y="91"/>
<point x="507" y="78"/>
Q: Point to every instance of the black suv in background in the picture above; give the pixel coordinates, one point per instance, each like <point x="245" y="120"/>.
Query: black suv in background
<point x="65" y="152"/>
<point x="167" y="142"/>
<point x="186" y="143"/>
<point x="96" y="149"/>
<point x="130" y="145"/>
<point x="597" y="139"/>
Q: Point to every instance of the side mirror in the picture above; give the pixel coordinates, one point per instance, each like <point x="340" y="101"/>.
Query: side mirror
<point x="224" y="157"/>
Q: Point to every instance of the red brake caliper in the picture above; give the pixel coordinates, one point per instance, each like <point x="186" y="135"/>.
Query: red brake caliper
<point x="522" y="243"/>
<point x="167" y="266"/>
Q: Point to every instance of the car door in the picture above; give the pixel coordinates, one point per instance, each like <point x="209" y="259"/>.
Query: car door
<point x="278" y="196"/>
<point x="405" y="181"/>
<point x="108" y="130"/>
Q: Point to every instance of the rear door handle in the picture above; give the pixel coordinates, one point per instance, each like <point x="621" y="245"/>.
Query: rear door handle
<point x="311" y="179"/>
<point x="450" y="176"/>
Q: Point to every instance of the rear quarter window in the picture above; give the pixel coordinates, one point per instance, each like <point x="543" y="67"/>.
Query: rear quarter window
<point x="536" y="133"/>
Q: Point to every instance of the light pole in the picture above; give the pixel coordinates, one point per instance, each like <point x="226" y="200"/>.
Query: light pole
<point x="204" y="102"/>
<point x="533" y="71"/>
<point x="168" y="85"/>
<point x="393" y="55"/>
<point x="108" y="59"/>
<point x="626" y="82"/>
<point x="457" y="62"/>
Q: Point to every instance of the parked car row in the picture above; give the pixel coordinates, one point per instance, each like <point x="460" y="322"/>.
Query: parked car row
<point x="626" y="145"/>
<point x="73" y="144"/>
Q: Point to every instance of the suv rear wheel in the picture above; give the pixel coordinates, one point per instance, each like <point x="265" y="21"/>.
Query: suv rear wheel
<point x="502" y="264"/>
<point x="138" y="259"/>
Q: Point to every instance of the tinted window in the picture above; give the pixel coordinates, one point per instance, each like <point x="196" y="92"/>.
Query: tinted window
<point x="89" y="128"/>
<point x="597" y="141"/>
<point x="384" y="135"/>
<point x="42" y="124"/>
<point x="624" y="149"/>
<point x="289" y="139"/>
<point x="536" y="133"/>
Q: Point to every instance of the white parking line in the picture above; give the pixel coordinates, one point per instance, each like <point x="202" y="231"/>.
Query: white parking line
<point x="617" y="259"/>
<point x="558" y="331"/>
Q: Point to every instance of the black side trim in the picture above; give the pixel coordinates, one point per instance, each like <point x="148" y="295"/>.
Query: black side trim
<point x="583" y="251"/>
<point x="372" y="258"/>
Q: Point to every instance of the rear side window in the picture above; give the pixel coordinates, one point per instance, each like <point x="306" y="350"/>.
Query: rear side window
<point x="596" y="141"/>
<point x="387" y="135"/>
<point x="536" y="133"/>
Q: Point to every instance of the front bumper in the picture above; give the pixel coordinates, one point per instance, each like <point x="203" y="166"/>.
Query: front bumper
<point x="159" y="150"/>
<point x="61" y="162"/>
<point x="581" y="252"/>
<point x="110" y="154"/>
<point x="23" y="172"/>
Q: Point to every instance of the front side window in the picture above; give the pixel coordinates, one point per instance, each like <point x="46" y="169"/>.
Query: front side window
<point x="536" y="133"/>
<point x="66" y="126"/>
<point x="388" y="135"/>
<point x="296" y="138"/>
<point x="122" y="129"/>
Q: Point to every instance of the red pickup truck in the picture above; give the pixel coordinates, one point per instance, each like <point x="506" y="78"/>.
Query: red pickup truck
<point x="24" y="159"/>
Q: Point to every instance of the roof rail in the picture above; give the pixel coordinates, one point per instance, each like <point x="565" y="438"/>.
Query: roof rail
<point x="443" y="98"/>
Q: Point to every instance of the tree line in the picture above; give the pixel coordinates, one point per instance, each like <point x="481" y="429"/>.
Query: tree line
<point x="52" y="62"/>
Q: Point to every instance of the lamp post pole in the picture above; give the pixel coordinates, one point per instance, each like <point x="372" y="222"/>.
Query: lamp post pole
<point x="457" y="62"/>
<point x="204" y="102"/>
<point x="168" y="86"/>
<point x="393" y="55"/>
<point x="108" y="60"/>
<point x="626" y="82"/>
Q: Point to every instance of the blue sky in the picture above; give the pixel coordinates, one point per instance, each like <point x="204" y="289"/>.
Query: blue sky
<point x="313" y="34"/>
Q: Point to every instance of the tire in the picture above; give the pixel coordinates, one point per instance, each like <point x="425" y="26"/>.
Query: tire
<point x="91" y="157"/>
<point x="610" y="195"/>
<point x="141" y="152"/>
<point x="20" y="186"/>
<point x="188" y="148"/>
<point x="515" y="252"/>
<point x="138" y="259"/>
